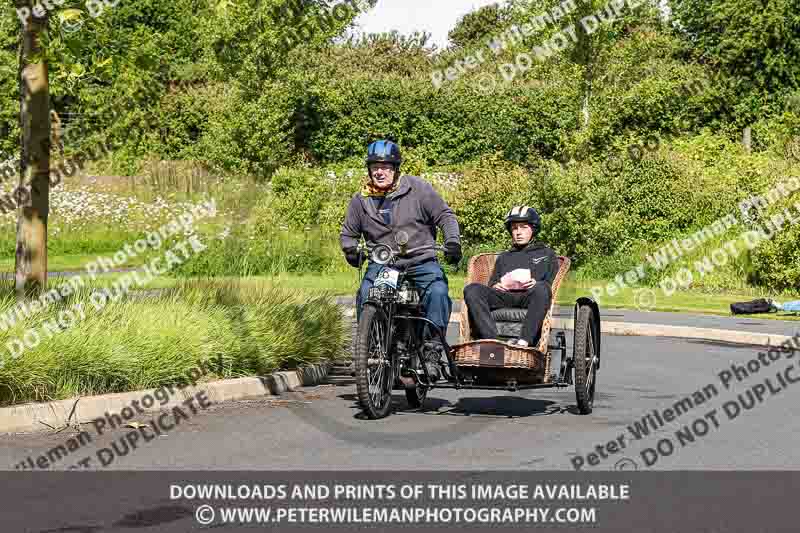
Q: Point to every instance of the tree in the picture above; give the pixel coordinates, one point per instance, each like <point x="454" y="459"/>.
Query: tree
<point x="753" y="44"/>
<point x="252" y="44"/>
<point x="31" y="253"/>
<point x="598" y="26"/>
<point x="474" y="27"/>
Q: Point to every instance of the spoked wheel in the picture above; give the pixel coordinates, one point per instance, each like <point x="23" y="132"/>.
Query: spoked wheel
<point x="584" y="359"/>
<point x="374" y="370"/>
<point x="416" y="395"/>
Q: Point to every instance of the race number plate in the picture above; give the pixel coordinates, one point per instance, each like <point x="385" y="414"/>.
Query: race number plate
<point x="387" y="277"/>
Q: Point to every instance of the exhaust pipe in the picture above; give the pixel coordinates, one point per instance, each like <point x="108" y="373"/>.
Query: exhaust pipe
<point x="408" y="382"/>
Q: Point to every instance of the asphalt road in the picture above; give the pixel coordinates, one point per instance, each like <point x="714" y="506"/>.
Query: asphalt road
<point x="321" y="428"/>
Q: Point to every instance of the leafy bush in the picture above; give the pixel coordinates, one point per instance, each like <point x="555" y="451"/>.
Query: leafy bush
<point x="776" y="260"/>
<point x="581" y="216"/>
<point x="485" y="193"/>
<point x="776" y="263"/>
<point x="455" y="124"/>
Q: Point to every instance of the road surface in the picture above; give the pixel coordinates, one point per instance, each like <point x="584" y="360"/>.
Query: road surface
<point x="321" y="427"/>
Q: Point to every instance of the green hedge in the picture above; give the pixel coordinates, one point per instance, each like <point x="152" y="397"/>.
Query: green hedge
<point x="606" y="219"/>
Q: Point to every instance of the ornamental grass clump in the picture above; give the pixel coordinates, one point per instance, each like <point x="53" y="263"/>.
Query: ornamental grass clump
<point x="146" y="342"/>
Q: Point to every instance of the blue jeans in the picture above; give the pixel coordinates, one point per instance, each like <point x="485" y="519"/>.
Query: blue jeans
<point x="430" y="280"/>
<point x="792" y="307"/>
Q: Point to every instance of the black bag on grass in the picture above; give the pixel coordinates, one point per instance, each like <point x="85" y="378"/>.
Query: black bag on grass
<point x="752" y="307"/>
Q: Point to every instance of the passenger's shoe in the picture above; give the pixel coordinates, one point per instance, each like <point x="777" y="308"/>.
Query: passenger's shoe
<point x="522" y="343"/>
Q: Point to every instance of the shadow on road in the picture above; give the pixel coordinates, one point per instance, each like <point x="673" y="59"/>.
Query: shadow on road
<point x="495" y="406"/>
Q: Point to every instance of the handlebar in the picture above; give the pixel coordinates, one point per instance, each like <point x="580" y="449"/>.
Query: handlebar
<point x="395" y="253"/>
<point x="367" y="247"/>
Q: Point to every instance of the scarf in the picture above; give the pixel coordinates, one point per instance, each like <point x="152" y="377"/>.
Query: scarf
<point x="370" y="189"/>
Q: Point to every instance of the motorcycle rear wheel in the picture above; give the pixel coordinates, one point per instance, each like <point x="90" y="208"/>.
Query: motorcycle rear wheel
<point x="416" y="396"/>
<point x="373" y="363"/>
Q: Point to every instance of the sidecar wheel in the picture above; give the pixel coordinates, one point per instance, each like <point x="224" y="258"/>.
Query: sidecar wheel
<point x="584" y="361"/>
<point x="373" y="363"/>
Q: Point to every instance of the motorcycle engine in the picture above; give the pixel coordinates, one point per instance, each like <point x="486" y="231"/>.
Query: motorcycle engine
<point x="431" y="357"/>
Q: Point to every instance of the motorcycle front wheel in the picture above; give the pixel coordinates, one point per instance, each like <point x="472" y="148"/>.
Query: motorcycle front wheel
<point x="373" y="363"/>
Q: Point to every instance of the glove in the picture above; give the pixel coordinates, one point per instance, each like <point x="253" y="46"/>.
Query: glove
<point x="452" y="252"/>
<point x="354" y="257"/>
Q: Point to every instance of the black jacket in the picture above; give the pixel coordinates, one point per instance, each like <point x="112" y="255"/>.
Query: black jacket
<point x="541" y="260"/>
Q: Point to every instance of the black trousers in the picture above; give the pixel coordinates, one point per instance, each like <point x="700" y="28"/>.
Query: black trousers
<point x="482" y="300"/>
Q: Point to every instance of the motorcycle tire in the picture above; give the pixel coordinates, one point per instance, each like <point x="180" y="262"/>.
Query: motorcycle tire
<point x="373" y="363"/>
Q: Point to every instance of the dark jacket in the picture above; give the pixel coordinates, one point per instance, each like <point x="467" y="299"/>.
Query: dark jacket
<point x="541" y="260"/>
<point x="416" y="208"/>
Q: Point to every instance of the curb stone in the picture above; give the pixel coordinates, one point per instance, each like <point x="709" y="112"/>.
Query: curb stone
<point x="37" y="416"/>
<point x="683" y="332"/>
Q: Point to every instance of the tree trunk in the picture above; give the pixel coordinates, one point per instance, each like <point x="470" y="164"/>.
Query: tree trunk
<point x="585" y="109"/>
<point x="747" y="139"/>
<point x="34" y="178"/>
<point x="587" y="95"/>
<point x="584" y="54"/>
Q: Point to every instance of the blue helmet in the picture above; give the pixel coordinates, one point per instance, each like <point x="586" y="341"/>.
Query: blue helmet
<point x="384" y="151"/>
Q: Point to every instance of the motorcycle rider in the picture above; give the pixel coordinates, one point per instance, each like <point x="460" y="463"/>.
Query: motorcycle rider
<point x="523" y="223"/>
<point x="388" y="203"/>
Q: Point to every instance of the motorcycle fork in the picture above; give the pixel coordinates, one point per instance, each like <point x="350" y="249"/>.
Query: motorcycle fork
<point x="394" y="358"/>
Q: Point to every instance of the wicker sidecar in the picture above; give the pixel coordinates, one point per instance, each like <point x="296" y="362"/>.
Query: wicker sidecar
<point x="495" y="364"/>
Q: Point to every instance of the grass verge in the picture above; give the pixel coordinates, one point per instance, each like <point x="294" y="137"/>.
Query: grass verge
<point x="346" y="284"/>
<point x="133" y="344"/>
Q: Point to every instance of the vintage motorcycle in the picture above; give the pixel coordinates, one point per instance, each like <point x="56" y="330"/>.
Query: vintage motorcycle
<point x="393" y="348"/>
